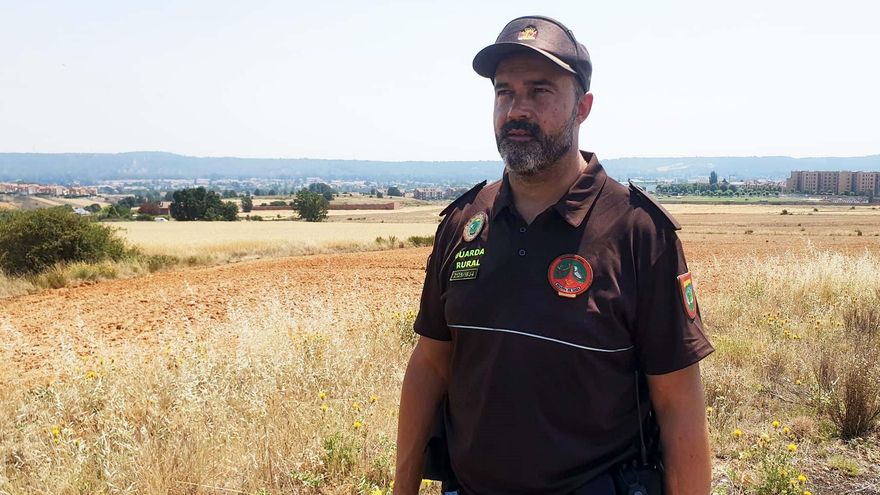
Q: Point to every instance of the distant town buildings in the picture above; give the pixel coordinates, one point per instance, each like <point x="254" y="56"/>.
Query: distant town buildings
<point x="825" y="182"/>
<point x="428" y="193"/>
<point x="46" y="190"/>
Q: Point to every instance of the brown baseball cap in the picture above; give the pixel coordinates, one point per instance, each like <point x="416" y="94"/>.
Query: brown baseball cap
<point x="543" y="35"/>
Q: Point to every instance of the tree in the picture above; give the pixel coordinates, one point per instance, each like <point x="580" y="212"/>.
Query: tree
<point x="713" y="178"/>
<point x="229" y="193"/>
<point x="93" y="208"/>
<point x="200" y="204"/>
<point x="115" y="212"/>
<point x="323" y="189"/>
<point x="258" y="192"/>
<point x="394" y="191"/>
<point x="311" y="206"/>
<point x="33" y="241"/>
<point x="130" y="201"/>
<point x="247" y="203"/>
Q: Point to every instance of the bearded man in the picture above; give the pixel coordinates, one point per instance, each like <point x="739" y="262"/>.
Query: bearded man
<point x="559" y="329"/>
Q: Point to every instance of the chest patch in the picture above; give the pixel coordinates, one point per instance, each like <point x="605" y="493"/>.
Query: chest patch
<point x="474" y="226"/>
<point x="570" y="275"/>
<point x="466" y="264"/>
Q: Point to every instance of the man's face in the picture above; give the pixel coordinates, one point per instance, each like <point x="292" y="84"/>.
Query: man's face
<point x="536" y="113"/>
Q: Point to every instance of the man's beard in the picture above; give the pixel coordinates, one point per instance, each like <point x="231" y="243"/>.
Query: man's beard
<point x="528" y="159"/>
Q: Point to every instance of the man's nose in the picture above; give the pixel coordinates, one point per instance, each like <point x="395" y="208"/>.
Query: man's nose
<point x="519" y="109"/>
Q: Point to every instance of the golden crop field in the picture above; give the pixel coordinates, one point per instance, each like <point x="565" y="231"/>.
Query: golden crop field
<point x="282" y="375"/>
<point x="262" y="238"/>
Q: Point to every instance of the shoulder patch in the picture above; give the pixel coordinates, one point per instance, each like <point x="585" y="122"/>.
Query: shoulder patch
<point x="469" y="195"/>
<point x="653" y="204"/>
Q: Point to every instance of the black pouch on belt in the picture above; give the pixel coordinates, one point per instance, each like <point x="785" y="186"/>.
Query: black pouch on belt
<point x="438" y="467"/>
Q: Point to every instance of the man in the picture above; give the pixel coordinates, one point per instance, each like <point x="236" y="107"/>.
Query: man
<point x="558" y="320"/>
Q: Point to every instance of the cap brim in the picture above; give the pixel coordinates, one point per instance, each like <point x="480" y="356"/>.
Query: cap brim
<point x="486" y="60"/>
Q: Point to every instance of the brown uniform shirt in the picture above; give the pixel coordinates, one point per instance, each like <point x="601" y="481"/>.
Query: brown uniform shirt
<point x="541" y="393"/>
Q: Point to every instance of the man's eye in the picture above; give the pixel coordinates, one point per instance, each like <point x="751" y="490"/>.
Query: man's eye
<point x="541" y="90"/>
<point x="502" y="92"/>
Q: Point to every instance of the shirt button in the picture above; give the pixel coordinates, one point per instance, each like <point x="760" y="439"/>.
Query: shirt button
<point x="522" y="230"/>
<point x="522" y="252"/>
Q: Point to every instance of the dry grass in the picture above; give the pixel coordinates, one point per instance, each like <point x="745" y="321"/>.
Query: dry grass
<point x="227" y="240"/>
<point x="297" y="395"/>
<point x="162" y="245"/>
<point x="237" y="406"/>
<point x="794" y="365"/>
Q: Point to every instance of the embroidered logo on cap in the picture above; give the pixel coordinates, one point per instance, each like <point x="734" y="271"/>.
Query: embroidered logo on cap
<point x="570" y="275"/>
<point x="688" y="296"/>
<point x="528" y="33"/>
<point x="474" y="226"/>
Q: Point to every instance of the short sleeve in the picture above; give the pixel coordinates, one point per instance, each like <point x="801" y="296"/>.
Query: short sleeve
<point x="669" y="331"/>
<point x="431" y="320"/>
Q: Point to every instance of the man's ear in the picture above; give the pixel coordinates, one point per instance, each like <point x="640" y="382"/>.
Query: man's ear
<point x="585" y="104"/>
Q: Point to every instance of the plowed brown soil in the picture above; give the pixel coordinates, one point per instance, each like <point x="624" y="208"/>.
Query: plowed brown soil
<point x="145" y="309"/>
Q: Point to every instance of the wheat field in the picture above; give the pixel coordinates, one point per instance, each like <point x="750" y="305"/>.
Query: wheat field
<point x="239" y="239"/>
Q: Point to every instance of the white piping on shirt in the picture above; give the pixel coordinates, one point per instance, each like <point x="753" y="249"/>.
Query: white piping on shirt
<point x="517" y="332"/>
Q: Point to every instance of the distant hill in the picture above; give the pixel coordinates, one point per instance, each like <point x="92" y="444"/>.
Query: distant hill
<point x="88" y="168"/>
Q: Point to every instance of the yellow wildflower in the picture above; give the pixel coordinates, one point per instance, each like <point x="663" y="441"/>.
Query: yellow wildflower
<point x="56" y="431"/>
<point x="374" y="399"/>
<point x="391" y="485"/>
<point x="776" y="424"/>
<point x="797" y="382"/>
<point x="808" y="492"/>
<point x="322" y="395"/>
<point x="710" y="410"/>
<point x="786" y="430"/>
<point x="426" y="483"/>
<point x="358" y="425"/>
<point x="737" y="433"/>
<point x="377" y="491"/>
<point x="792" y="447"/>
<point x="802" y="478"/>
<point x="91" y="374"/>
<point x="324" y="408"/>
<point x="357" y="406"/>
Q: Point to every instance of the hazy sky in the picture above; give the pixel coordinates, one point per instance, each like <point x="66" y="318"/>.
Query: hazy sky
<point x="393" y="80"/>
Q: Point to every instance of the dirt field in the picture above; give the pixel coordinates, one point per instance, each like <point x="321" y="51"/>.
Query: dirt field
<point x="145" y="308"/>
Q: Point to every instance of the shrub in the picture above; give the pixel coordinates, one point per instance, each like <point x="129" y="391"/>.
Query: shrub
<point x="849" y="382"/>
<point x="421" y="240"/>
<point x="34" y="241"/>
<point x="785" y="212"/>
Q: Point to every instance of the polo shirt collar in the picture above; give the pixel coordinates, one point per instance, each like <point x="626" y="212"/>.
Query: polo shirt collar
<point x="574" y="205"/>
